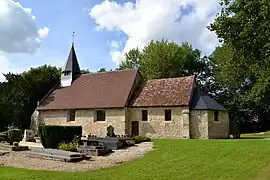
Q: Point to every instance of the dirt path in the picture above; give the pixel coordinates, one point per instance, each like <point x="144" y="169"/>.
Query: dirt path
<point x="21" y="160"/>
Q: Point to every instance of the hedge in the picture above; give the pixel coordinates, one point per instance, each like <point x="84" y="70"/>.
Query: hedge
<point x="52" y="136"/>
<point x="4" y="136"/>
<point x="14" y="135"/>
<point x="139" y="139"/>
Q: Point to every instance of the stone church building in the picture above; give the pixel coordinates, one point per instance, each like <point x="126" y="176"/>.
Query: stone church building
<point x="159" y="108"/>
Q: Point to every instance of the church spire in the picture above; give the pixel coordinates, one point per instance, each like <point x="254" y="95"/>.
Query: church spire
<point x="71" y="68"/>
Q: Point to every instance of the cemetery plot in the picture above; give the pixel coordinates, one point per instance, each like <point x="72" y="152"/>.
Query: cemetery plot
<point x="55" y="154"/>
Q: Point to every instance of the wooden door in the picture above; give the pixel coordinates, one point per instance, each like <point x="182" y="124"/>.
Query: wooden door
<point x="135" y="128"/>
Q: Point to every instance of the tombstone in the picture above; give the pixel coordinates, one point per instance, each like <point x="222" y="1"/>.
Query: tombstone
<point x="110" y="131"/>
<point x="29" y="135"/>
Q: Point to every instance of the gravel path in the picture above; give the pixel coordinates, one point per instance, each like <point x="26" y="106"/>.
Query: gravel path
<point x="21" y="160"/>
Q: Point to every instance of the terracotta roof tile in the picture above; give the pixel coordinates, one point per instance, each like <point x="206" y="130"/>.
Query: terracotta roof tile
<point x="99" y="90"/>
<point x="166" y="92"/>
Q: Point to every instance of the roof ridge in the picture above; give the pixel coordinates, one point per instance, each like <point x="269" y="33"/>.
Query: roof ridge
<point x="180" y="77"/>
<point x="115" y="71"/>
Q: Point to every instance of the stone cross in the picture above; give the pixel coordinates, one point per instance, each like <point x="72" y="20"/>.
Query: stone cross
<point x="28" y="135"/>
<point x="110" y="130"/>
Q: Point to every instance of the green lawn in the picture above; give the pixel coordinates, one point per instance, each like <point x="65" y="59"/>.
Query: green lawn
<point x="177" y="159"/>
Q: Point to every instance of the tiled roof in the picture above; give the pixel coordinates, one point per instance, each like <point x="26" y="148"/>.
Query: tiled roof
<point x="202" y="101"/>
<point x="166" y="92"/>
<point x="99" y="90"/>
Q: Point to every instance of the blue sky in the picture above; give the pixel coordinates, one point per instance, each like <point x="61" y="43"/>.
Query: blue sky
<point x="98" y="23"/>
<point x="62" y="19"/>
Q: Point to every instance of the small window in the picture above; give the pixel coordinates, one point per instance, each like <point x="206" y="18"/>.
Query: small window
<point x="72" y="115"/>
<point x="66" y="73"/>
<point x="168" y="115"/>
<point x="216" y="116"/>
<point x="100" y="115"/>
<point x="144" y="115"/>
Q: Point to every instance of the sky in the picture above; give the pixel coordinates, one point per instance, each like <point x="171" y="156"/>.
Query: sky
<point x="34" y="33"/>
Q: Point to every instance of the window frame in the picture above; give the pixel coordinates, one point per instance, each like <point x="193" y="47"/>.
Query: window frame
<point x="144" y="117"/>
<point x="97" y="115"/>
<point x="71" y="115"/>
<point x="166" y="115"/>
<point x="216" y="116"/>
<point x="67" y="73"/>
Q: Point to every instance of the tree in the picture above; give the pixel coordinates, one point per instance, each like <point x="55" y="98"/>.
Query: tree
<point x="132" y="60"/>
<point x="164" y="59"/>
<point x="85" y="71"/>
<point x="243" y="61"/>
<point x="20" y="93"/>
<point x="102" y="70"/>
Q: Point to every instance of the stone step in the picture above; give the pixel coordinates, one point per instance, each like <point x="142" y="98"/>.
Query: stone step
<point x="31" y="144"/>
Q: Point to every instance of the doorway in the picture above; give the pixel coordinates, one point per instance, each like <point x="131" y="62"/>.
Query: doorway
<point x="135" y="128"/>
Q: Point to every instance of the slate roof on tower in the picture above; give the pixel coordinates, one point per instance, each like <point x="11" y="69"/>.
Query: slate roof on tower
<point x="72" y="62"/>
<point x="201" y="101"/>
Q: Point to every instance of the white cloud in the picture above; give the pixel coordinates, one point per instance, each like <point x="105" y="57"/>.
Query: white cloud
<point x="156" y="19"/>
<point x="117" y="56"/>
<point x="43" y="33"/>
<point x="18" y="31"/>
<point x="114" y="44"/>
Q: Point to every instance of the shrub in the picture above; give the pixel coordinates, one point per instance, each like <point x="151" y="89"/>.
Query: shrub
<point x="15" y="144"/>
<point x="139" y="139"/>
<point x="235" y="130"/>
<point x="14" y="135"/>
<point x="4" y="136"/>
<point x="70" y="146"/>
<point x="52" y="136"/>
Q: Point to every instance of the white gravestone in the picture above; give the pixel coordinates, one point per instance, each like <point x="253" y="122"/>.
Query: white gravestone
<point x="28" y="135"/>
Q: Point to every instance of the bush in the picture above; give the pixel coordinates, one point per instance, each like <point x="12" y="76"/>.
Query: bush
<point x="52" y="136"/>
<point x="139" y="139"/>
<point x="235" y="130"/>
<point x="4" y="136"/>
<point x="70" y="146"/>
<point x="14" y="135"/>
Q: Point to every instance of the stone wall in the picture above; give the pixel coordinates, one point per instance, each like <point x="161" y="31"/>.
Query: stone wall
<point x="86" y="119"/>
<point x="184" y="123"/>
<point x="220" y="128"/>
<point x="156" y="126"/>
<point x="203" y="126"/>
<point x="199" y="124"/>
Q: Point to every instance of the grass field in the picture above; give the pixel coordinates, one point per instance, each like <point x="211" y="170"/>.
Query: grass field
<point x="176" y="159"/>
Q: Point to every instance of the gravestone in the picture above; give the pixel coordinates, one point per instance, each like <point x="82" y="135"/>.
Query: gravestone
<point x="29" y="135"/>
<point x="110" y="131"/>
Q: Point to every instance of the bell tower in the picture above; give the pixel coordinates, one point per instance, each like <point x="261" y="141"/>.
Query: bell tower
<point x="71" y="69"/>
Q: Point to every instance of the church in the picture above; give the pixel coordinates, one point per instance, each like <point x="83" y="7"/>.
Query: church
<point x="158" y="108"/>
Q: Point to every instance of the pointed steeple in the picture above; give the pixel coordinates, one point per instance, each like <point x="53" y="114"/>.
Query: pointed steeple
<point x="72" y="64"/>
<point x="71" y="68"/>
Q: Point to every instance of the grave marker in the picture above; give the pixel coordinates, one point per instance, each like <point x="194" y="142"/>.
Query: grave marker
<point x="28" y="135"/>
<point x="110" y="130"/>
